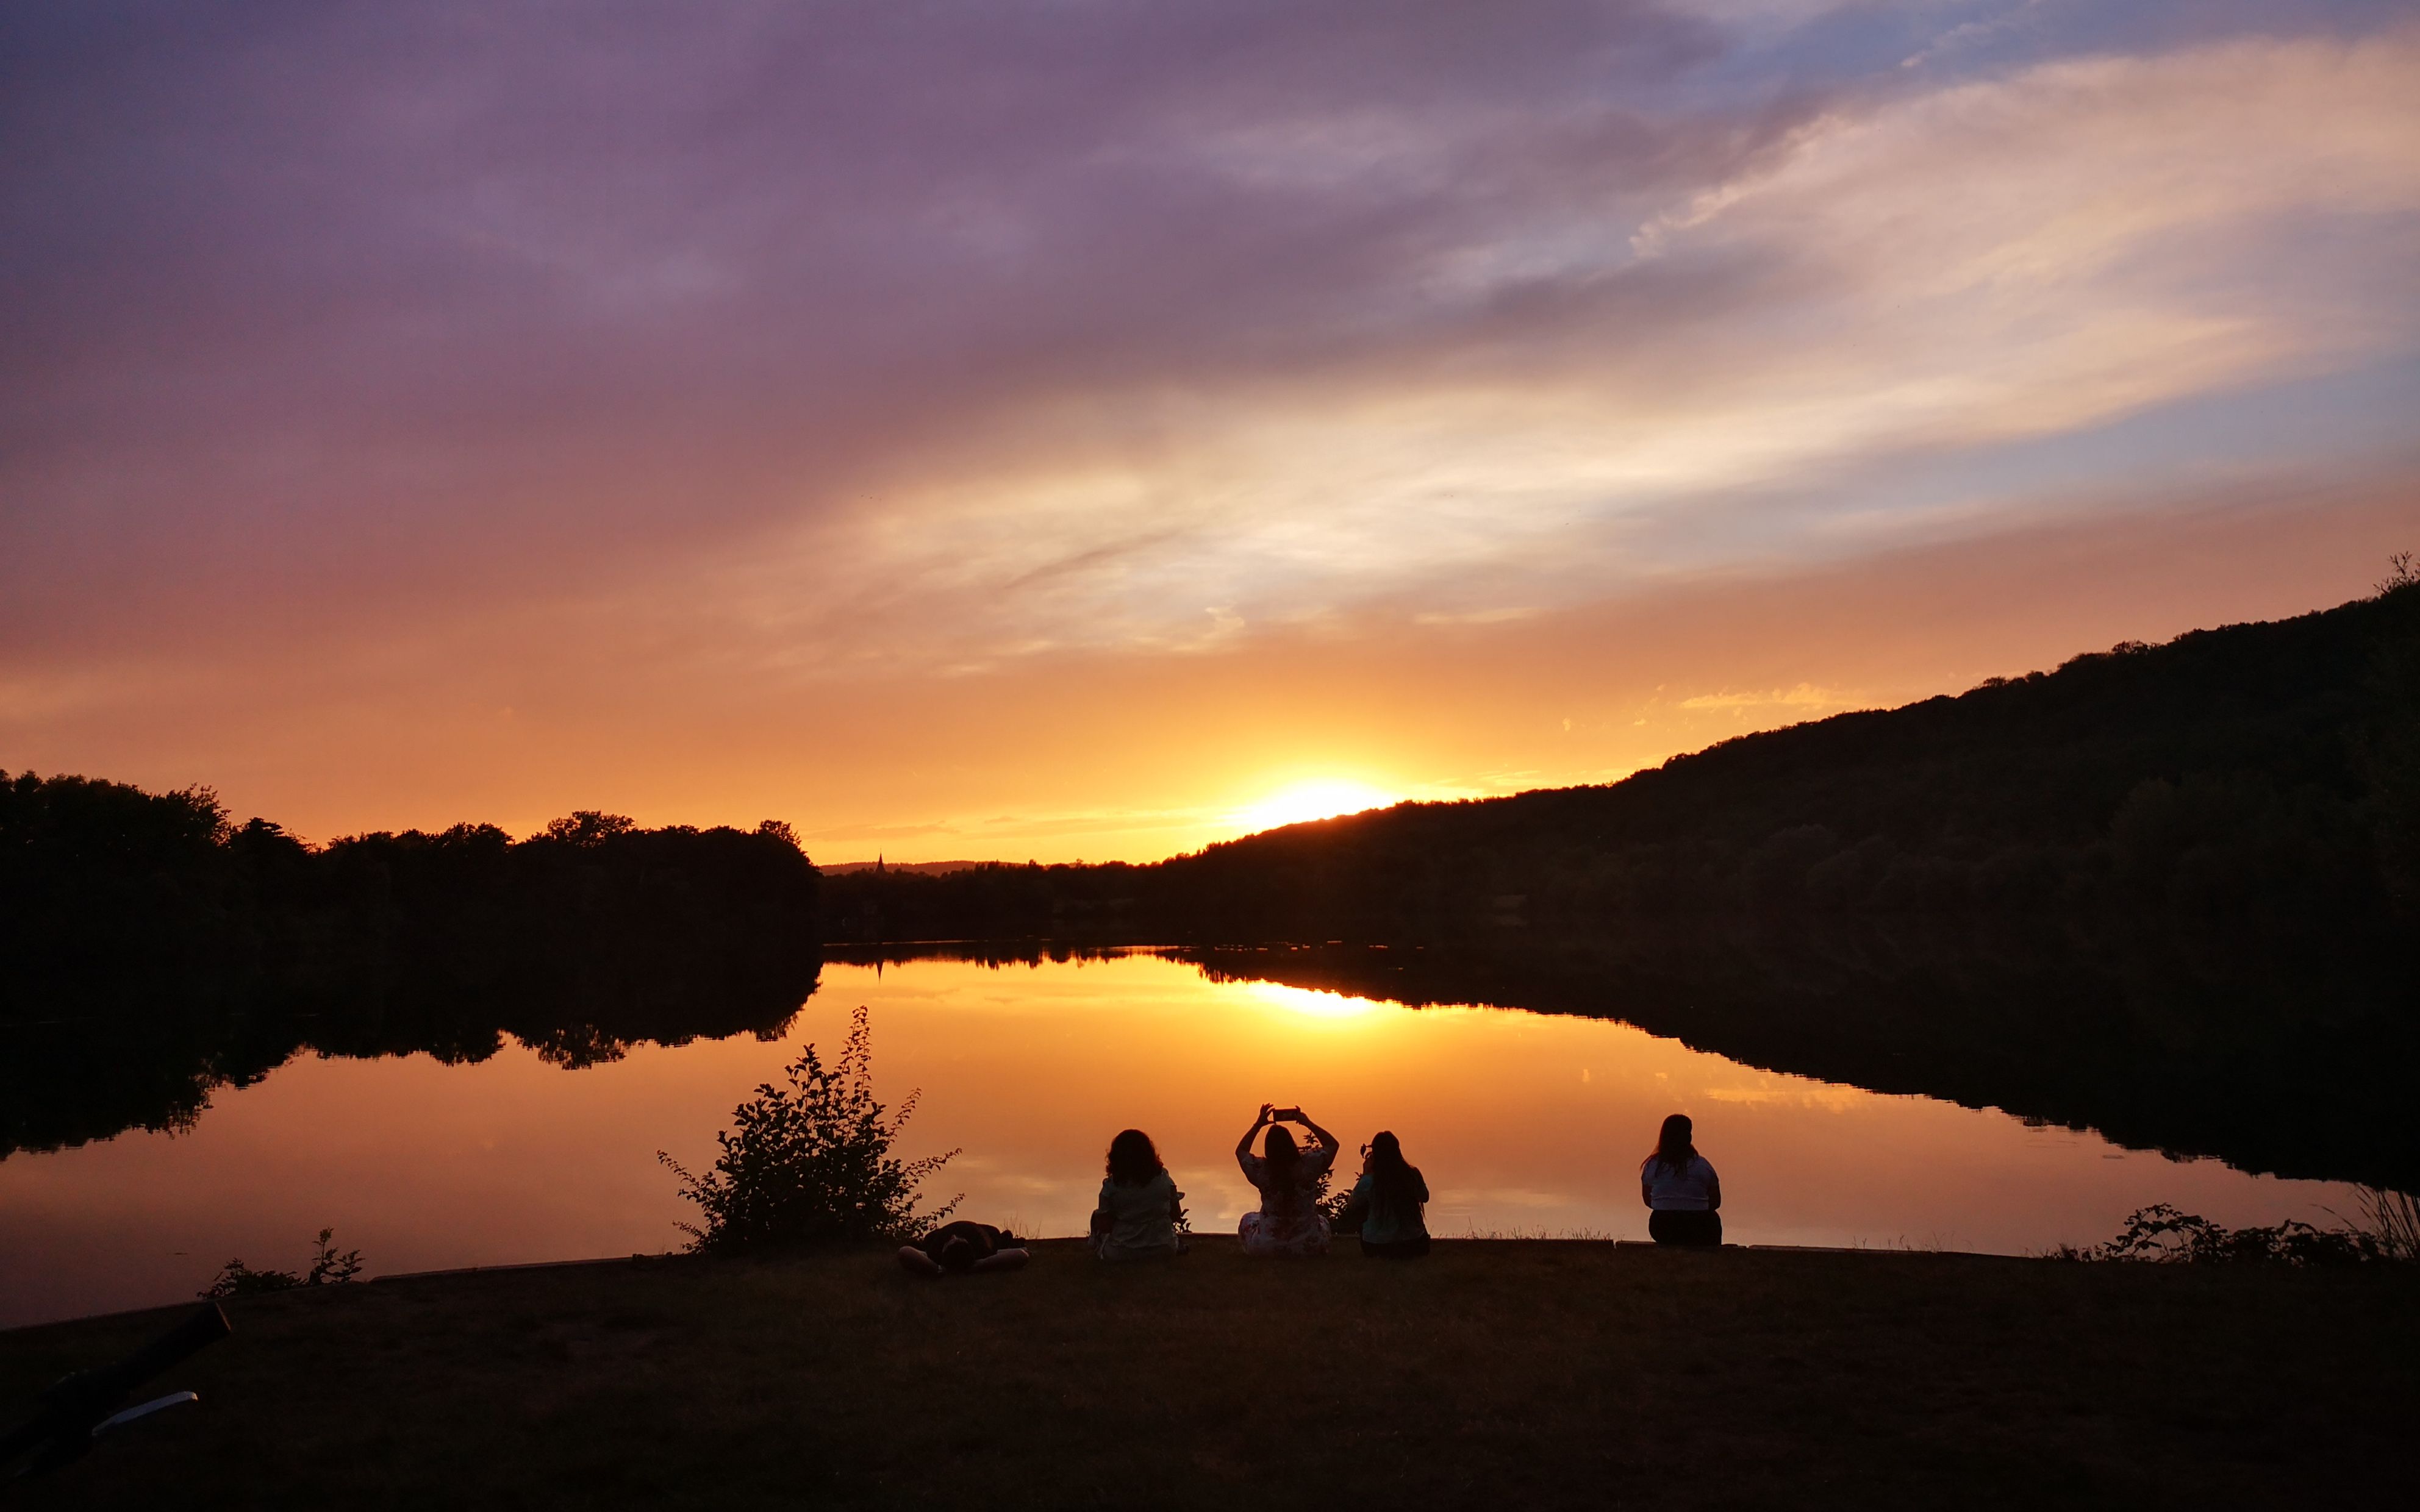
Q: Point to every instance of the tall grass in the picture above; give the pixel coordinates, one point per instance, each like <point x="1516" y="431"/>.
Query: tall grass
<point x="2391" y="1220"/>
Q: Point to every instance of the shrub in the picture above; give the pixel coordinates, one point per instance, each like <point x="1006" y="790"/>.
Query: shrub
<point x="1335" y="1206"/>
<point x="330" y="1267"/>
<point x="2162" y="1234"/>
<point x="812" y="1162"/>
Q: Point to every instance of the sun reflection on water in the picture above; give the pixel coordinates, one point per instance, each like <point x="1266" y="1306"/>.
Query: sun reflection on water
<point x="1309" y="1003"/>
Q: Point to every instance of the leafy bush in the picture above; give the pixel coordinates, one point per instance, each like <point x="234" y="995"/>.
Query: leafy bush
<point x="330" y="1267"/>
<point x="2163" y="1235"/>
<point x="812" y="1163"/>
<point x="1335" y="1206"/>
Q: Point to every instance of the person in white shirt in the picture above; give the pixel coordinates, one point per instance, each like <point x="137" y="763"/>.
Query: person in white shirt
<point x="1140" y="1208"/>
<point x="1681" y="1192"/>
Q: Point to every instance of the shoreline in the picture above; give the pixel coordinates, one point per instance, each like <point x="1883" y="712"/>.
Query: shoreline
<point x="1344" y="1251"/>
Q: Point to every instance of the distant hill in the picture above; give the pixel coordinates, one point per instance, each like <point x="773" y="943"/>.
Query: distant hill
<point x="922" y="869"/>
<point x="2257" y="778"/>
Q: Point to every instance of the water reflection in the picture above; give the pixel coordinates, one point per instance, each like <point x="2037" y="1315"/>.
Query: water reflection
<point x="2266" y="1066"/>
<point x="1524" y="1122"/>
<point x="70" y="1080"/>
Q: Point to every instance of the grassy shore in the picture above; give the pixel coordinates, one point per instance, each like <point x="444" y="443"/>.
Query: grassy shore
<point x="1496" y="1373"/>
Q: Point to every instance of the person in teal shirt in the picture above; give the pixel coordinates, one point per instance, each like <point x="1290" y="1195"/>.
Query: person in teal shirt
<point x="1390" y="1196"/>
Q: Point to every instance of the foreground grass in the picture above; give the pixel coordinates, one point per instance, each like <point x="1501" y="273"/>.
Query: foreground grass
<point x="1494" y="1373"/>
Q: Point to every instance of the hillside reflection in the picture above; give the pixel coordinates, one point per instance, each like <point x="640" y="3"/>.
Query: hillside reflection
<point x="2155" y="1047"/>
<point x="2174" y="1061"/>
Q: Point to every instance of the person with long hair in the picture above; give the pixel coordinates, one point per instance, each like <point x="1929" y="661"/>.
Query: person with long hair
<point x="1681" y="1192"/>
<point x="1289" y="1225"/>
<point x="1387" y="1199"/>
<point x="1139" y="1209"/>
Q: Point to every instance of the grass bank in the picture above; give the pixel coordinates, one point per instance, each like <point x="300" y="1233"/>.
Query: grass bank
<point x="1494" y="1373"/>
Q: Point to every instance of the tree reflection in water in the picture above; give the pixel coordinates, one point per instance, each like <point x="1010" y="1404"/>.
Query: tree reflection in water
<point x="2298" y="1068"/>
<point x="2168" y="1042"/>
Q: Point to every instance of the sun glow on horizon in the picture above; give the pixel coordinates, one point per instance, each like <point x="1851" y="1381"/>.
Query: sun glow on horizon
<point x="1302" y="802"/>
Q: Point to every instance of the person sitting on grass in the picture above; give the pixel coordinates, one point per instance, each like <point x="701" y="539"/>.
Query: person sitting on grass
<point x="1681" y="1188"/>
<point x="960" y="1249"/>
<point x="1289" y="1225"/>
<point x="1139" y="1204"/>
<point x="1387" y="1201"/>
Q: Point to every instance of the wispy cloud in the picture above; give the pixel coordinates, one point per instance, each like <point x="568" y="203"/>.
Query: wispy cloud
<point x="1988" y="262"/>
<point x="1804" y="700"/>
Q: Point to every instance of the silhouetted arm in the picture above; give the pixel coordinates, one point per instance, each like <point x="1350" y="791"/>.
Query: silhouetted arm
<point x="1326" y="1140"/>
<point x="1244" y="1146"/>
<point x="1713" y="1190"/>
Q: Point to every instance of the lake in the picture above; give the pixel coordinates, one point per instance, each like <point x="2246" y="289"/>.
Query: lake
<point x="1525" y="1123"/>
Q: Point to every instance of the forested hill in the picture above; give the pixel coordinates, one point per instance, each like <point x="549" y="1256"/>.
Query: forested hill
<point x="2258" y="777"/>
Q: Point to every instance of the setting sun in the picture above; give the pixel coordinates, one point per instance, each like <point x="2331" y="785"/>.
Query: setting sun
<point x="1304" y="801"/>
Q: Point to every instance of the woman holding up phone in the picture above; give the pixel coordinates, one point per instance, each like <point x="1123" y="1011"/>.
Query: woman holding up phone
<point x="1287" y="1176"/>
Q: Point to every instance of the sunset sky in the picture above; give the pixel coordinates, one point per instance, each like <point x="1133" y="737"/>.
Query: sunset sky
<point x="1089" y="428"/>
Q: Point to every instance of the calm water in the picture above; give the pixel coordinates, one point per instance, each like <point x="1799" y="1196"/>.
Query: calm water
<point x="1524" y="1123"/>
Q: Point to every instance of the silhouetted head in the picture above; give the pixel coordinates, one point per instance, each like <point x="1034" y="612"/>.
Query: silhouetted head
<point x="1133" y="1160"/>
<point x="1390" y="1175"/>
<point x="1674" y="1151"/>
<point x="1279" y="1151"/>
<point x="958" y="1254"/>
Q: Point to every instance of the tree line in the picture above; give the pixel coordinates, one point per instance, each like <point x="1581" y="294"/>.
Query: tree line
<point x="151" y="948"/>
